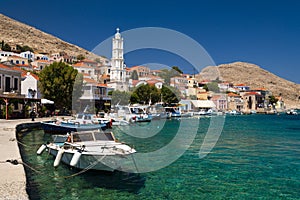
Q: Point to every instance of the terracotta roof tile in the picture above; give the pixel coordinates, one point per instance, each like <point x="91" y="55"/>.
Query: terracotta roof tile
<point x="233" y="94"/>
<point x="241" y="84"/>
<point x="81" y="64"/>
<point x="42" y="61"/>
<point x="89" y="80"/>
<point x="252" y="93"/>
<point x="4" y="66"/>
<point x="89" y="61"/>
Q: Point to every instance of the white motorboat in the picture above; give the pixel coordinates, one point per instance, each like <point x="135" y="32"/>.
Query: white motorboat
<point x="96" y="150"/>
<point x="291" y="112"/>
<point x="173" y="111"/>
<point x="119" y="122"/>
<point x="134" y="113"/>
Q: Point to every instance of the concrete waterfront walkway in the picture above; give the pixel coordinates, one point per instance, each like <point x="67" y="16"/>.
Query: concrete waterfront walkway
<point x="12" y="177"/>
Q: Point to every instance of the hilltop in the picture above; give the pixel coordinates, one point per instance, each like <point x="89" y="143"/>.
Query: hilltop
<point x="255" y="77"/>
<point x="14" y="32"/>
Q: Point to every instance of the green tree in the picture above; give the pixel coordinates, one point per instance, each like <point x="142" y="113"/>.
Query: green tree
<point x="18" y="48"/>
<point x="272" y="100"/>
<point x="168" y="74"/>
<point x="80" y="57"/>
<point x="155" y="94"/>
<point x="134" y="98"/>
<point x="134" y="75"/>
<point x="193" y="97"/>
<point x="119" y="97"/>
<point x="170" y="94"/>
<point x="6" y="47"/>
<point x="97" y="60"/>
<point x="145" y="94"/>
<point x="57" y="83"/>
<point x="177" y="69"/>
<point x="26" y="48"/>
<point x="212" y="86"/>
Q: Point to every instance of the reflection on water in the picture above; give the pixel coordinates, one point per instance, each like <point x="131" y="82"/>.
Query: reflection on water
<point x="256" y="157"/>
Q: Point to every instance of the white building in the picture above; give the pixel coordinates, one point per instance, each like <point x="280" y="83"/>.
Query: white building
<point x="28" y="55"/>
<point x="29" y="85"/>
<point x="5" y="54"/>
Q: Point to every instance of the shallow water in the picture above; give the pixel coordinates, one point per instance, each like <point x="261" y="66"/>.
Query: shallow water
<point x="256" y="156"/>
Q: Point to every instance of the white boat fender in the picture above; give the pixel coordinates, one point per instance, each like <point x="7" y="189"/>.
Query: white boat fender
<point x="75" y="158"/>
<point x="58" y="157"/>
<point x="41" y="149"/>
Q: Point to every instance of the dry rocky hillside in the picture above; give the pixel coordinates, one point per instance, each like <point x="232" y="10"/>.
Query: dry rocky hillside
<point x="255" y="77"/>
<point x="14" y="32"/>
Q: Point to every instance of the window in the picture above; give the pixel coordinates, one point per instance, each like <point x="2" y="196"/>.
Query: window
<point x="7" y="84"/>
<point x="16" y="83"/>
<point x="17" y="62"/>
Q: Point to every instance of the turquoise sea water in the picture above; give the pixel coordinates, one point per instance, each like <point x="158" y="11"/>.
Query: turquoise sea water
<point x="256" y="157"/>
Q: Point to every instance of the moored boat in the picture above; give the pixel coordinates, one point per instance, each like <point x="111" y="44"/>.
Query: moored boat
<point x="291" y="112"/>
<point x="135" y="113"/>
<point x="81" y="122"/>
<point x="173" y="111"/>
<point x="63" y="127"/>
<point x="96" y="150"/>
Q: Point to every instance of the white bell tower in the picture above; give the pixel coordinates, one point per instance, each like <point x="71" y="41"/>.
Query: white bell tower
<point x="117" y="72"/>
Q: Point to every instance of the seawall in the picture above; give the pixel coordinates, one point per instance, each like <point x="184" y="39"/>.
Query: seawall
<point x="13" y="177"/>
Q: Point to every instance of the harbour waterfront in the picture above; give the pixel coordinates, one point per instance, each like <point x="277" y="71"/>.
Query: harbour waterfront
<point x="257" y="156"/>
<point x="13" y="180"/>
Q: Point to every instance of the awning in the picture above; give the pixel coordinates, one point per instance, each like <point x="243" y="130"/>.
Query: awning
<point x="203" y="103"/>
<point x="46" y="101"/>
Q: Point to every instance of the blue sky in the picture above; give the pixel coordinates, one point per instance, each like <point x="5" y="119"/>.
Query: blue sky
<point x="265" y="33"/>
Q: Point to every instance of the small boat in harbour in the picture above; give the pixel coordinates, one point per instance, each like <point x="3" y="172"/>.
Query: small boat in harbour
<point x="173" y="111"/>
<point x="82" y="122"/>
<point x="291" y="112"/>
<point x="134" y="113"/>
<point x="95" y="150"/>
<point x="64" y="127"/>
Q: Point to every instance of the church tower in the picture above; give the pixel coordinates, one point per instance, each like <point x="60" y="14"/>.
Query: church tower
<point x="117" y="72"/>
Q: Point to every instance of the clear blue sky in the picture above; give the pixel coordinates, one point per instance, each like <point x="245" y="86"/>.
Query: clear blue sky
<point x="266" y="33"/>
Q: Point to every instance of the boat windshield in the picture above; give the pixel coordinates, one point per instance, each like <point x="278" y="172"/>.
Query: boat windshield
<point x="137" y="110"/>
<point x="92" y="136"/>
<point x="171" y="109"/>
<point x="81" y="137"/>
<point x="107" y="136"/>
<point x="79" y="116"/>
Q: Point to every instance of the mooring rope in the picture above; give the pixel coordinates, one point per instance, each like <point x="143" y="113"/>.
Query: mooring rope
<point x="14" y="139"/>
<point x="16" y="162"/>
